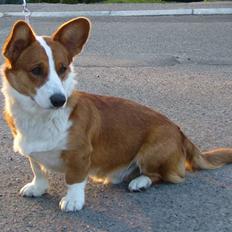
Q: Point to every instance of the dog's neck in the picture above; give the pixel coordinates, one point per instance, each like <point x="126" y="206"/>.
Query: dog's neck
<point x="31" y="121"/>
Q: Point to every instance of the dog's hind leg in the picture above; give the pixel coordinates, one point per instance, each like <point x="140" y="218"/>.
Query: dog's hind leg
<point x="140" y="183"/>
<point x="158" y="162"/>
<point x="148" y="171"/>
<point x="173" y="171"/>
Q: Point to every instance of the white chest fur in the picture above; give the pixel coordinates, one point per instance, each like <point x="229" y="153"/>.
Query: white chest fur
<point x="51" y="160"/>
<point x="43" y="137"/>
<point x="41" y="134"/>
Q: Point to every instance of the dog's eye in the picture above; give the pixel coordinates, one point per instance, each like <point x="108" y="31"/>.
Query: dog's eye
<point x="37" y="71"/>
<point x="62" y="69"/>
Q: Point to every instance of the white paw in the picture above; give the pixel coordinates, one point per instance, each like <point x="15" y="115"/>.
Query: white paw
<point x="68" y="204"/>
<point x="139" y="183"/>
<point x="34" y="189"/>
<point x="74" y="199"/>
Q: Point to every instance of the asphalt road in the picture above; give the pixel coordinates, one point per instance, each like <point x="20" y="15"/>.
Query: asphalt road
<point x="181" y="66"/>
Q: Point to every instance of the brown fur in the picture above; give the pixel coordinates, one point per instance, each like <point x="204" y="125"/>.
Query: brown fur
<point x="107" y="133"/>
<point x="21" y="59"/>
<point x="61" y="56"/>
<point x="10" y="122"/>
<point x="73" y="35"/>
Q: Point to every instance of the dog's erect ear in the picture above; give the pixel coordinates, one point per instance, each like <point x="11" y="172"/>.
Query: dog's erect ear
<point x="73" y="35"/>
<point x="20" y="38"/>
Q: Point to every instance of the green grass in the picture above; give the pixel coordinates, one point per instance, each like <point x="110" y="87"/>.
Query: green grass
<point x="134" y="1"/>
<point x="148" y="1"/>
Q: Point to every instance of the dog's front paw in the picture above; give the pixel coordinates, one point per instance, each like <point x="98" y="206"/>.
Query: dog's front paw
<point x="74" y="199"/>
<point x="34" y="189"/>
<point x="69" y="204"/>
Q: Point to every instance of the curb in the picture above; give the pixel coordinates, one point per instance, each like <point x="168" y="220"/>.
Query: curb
<point x="151" y="12"/>
<point x="173" y="12"/>
<point x="209" y="11"/>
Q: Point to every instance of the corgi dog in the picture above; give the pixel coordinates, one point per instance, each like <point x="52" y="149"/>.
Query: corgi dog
<point x="85" y="135"/>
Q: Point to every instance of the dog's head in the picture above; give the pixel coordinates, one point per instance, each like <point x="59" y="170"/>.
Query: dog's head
<point x="38" y="67"/>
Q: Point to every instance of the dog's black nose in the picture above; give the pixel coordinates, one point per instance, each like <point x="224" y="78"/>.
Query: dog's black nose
<point x="58" y="99"/>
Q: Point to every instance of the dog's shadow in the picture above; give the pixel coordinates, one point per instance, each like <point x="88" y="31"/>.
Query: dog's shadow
<point x="114" y="208"/>
<point x="108" y="207"/>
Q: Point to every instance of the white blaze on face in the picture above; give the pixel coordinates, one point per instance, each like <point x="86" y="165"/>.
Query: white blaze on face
<point x="53" y="85"/>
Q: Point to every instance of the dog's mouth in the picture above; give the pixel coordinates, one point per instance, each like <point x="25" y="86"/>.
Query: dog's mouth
<point x="49" y="108"/>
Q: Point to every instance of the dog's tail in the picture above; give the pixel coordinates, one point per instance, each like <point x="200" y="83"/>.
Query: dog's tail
<point x="206" y="160"/>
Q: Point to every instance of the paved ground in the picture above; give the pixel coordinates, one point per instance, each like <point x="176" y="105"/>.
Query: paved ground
<point x="181" y="66"/>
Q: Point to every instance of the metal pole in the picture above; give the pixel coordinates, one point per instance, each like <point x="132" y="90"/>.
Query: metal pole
<point x="26" y="12"/>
